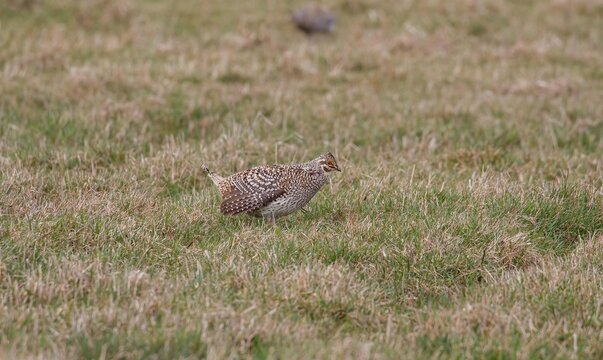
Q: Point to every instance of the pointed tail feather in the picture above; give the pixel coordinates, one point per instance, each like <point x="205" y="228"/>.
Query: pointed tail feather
<point x="217" y="179"/>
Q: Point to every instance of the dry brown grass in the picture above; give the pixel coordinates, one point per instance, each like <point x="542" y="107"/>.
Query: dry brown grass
<point x="467" y="221"/>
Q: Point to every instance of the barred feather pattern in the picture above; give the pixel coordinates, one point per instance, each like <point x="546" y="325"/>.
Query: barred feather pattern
<point x="270" y="191"/>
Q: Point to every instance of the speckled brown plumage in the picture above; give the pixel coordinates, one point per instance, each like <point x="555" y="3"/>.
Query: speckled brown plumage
<point x="272" y="191"/>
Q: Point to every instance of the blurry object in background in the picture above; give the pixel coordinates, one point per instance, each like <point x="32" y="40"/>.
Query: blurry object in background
<point x="21" y="4"/>
<point x="313" y="19"/>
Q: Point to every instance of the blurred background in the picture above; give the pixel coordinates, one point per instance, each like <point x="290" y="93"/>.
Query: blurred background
<point x="401" y="78"/>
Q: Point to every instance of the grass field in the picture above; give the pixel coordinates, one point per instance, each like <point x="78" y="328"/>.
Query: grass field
<point x="467" y="221"/>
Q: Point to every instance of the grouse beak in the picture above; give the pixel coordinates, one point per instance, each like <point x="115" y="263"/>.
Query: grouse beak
<point x="337" y="168"/>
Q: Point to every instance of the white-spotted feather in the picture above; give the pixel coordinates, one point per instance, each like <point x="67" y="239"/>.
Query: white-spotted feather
<point x="275" y="190"/>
